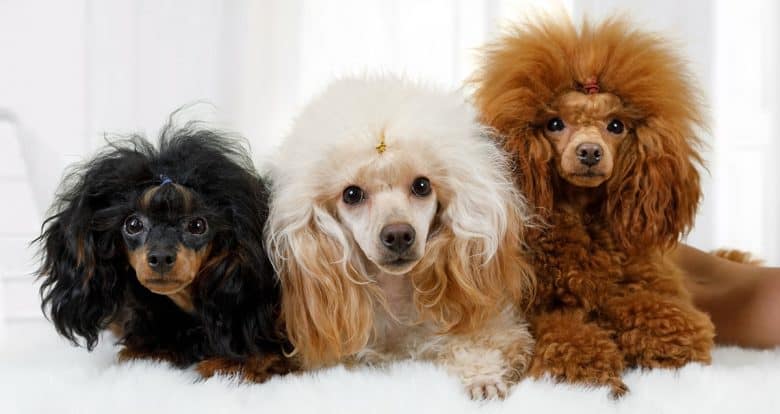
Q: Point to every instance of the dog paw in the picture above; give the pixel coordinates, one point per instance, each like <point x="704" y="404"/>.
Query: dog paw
<point x="660" y="332"/>
<point x="254" y="369"/>
<point x="484" y="372"/>
<point x="219" y="366"/>
<point x="128" y="355"/>
<point x="617" y="389"/>
<point x="487" y="390"/>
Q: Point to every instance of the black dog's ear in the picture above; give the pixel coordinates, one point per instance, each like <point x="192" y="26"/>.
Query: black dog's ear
<point x="81" y="291"/>
<point x="83" y="268"/>
<point x="238" y="296"/>
<point x="239" y="307"/>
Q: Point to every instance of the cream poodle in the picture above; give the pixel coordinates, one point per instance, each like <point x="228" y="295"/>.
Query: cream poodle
<point x="397" y="233"/>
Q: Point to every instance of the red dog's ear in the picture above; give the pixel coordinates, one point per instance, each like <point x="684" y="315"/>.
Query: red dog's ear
<point x="533" y="154"/>
<point x="654" y="190"/>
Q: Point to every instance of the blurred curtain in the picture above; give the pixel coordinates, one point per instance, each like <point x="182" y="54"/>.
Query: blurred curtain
<point x="745" y="195"/>
<point x="76" y="70"/>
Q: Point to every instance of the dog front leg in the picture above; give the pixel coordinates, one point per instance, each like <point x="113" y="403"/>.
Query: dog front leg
<point x="571" y="349"/>
<point x="256" y="369"/>
<point x="129" y="353"/>
<point x="489" y="361"/>
<point x="656" y="330"/>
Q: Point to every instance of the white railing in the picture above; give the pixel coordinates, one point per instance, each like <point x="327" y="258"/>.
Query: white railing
<point x="19" y="224"/>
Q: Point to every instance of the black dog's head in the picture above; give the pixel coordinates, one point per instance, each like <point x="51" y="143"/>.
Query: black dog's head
<point x="183" y="220"/>
<point x="168" y="237"/>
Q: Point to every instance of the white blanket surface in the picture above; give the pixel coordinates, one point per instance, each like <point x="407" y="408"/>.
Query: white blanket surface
<point x="40" y="373"/>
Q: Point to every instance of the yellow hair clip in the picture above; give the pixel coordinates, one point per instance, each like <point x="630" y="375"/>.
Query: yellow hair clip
<point x="381" y="147"/>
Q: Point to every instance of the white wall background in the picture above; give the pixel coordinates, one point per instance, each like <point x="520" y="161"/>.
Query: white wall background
<point x="72" y="71"/>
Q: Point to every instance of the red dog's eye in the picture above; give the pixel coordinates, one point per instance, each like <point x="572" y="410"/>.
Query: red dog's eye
<point x="133" y="225"/>
<point x="616" y="127"/>
<point x="197" y="226"/>
<point x="555" y="125"/>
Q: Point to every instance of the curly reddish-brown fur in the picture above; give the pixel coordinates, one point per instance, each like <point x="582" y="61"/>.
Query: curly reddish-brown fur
<point x="607" y="297"/>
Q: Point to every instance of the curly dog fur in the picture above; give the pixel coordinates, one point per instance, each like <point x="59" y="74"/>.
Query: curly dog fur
<point x="373" y="163"/>
<point x="164" y="246"/>
<point x="601" y="122"/>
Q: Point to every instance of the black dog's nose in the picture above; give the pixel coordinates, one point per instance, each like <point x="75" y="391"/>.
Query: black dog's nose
<point x="589" y="154"/>
<point x="397" y="237"/>
<point x="161" y="260"/>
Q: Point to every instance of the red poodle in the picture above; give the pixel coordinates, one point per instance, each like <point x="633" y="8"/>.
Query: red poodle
<point x="602" y="124"/>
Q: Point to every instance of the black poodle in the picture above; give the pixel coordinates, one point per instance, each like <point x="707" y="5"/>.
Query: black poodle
<point x="164" y="246"/>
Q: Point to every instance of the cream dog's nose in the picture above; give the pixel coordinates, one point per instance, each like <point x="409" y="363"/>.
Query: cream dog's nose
<point x="397" y="237"/>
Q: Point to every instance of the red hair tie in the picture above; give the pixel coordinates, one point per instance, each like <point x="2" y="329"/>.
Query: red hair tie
<point x="591" y="85"/>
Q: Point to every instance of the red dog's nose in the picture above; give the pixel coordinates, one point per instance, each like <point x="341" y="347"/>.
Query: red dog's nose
<point x="589" y="154"/>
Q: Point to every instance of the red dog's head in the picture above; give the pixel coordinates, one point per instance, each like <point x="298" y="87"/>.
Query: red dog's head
<point x="605" y="111"/>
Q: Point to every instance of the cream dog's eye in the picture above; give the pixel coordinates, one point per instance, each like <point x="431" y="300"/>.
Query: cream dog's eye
<point x="421" y="186"/>
<point x="556" y="124"/>
<point x="615" y="126"/>
<point x="353" y="195"/>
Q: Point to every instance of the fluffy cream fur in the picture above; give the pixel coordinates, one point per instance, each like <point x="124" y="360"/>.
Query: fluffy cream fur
<point x="455" y="304"/>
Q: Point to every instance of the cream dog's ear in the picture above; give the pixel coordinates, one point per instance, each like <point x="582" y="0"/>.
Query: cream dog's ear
<point x="474" y="264"/>
<point x="326" y="305"/>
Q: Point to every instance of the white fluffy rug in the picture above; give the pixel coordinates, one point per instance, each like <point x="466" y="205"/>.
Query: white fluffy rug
<point x="40" y="373"/>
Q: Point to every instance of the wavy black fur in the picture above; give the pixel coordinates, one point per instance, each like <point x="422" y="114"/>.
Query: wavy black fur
<point x="88" y="282"/>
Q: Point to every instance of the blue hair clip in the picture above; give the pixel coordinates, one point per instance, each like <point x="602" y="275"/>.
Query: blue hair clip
<point x="164" y="179"/>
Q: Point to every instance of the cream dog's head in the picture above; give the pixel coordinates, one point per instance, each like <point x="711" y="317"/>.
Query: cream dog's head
<point x="386" y="176"/>
<point x="388" y="206"/>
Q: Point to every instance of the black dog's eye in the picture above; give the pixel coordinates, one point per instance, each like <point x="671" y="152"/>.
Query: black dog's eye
<point x="134" y="225"/>
<point x="555" y="125"/>
<point x="421" y="187"/>
<point x="352" y="195"/>
<point x="615" y="126"/>
<point x="197" y="226"/>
